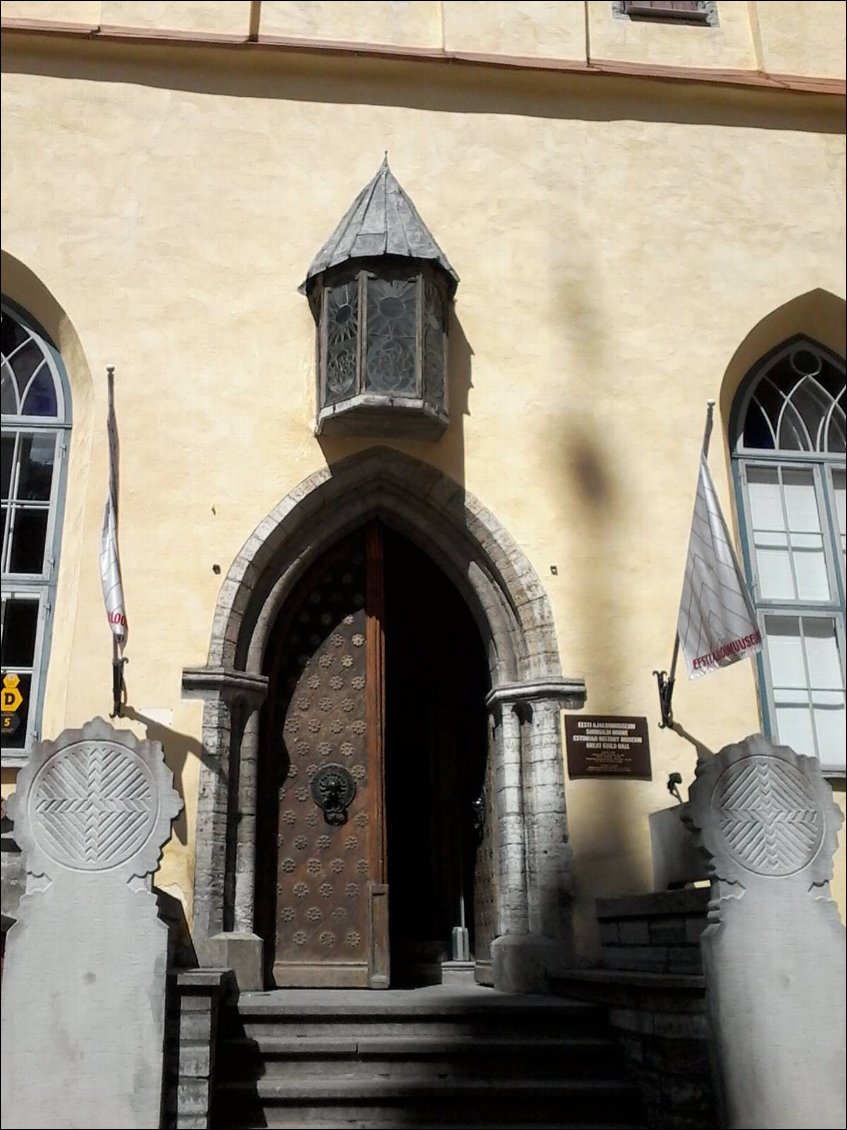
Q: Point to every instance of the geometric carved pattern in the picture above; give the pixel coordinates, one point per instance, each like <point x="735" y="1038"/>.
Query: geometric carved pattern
<point x="769" y="816"/>
<point x="91" y="806"/>
<point x="323" y="712"/>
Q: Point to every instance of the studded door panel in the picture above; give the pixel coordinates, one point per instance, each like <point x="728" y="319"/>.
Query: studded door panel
<point x="324" y="857"/>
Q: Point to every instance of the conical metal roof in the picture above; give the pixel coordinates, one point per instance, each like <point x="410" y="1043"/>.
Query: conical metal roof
<point x="382" y="220"/>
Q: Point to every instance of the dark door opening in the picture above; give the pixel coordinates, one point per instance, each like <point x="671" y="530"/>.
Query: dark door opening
<point x="436" y="678"/>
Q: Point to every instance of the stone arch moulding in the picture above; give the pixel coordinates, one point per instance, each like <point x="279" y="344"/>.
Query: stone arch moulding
<point x="513" y="614"/>
<point x="818" y="314"/>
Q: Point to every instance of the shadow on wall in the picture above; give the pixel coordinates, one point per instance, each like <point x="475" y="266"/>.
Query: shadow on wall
<point x="448" y="454"/>
<point x="178" y="748"/>
<point x="421" y="85"/>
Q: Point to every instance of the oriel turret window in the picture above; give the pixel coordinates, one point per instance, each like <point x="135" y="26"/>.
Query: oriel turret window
<point x="380" y="290"/>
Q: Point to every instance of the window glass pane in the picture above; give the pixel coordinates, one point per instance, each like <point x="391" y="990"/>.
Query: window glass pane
<point x="36" y="466"/>
<point x="20" y="622"/>
<point x="41" y="396"/>
<point x="784" y="498"/>
<point x="776" y="581"/>
<point x="822" y="653"/>
<point x="28" y="537"/>
<point x="8" y="394"/>
<point x="18" y="739"/>
<point x="24" y="362"/>
<point x="794" y="728"/>
<point x="391" y="333"/>
<point x="810" y="569"/>
<point x="785" y="651"/>
<point x="8" y="457"/>
<point x="838" y="488"/>
<point x="765" y="501"/>
<point x="801" y="505"/>
<point x="829" y="726"/>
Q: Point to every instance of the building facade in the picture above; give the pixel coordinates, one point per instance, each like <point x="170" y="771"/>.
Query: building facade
<point x="383" y="531"/>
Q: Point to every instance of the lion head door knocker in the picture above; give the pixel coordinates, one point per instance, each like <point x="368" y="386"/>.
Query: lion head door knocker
<point x="333" y="789"/>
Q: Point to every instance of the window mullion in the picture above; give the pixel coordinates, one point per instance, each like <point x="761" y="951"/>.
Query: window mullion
<point x="787" y="529"/>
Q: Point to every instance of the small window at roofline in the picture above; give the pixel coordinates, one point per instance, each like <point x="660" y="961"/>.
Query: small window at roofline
<point x="703" y="12"/>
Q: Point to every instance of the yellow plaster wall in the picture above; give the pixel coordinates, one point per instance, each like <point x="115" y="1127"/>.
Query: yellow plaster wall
<point x="526" y="28"/>
<point x="603" y="298"/>
<point x="48" y="11"/>
<point x="727" y="45"/>
<point x="221" y="17"/>
<point x="415" y="23"/>
<point x="802" y="38"/>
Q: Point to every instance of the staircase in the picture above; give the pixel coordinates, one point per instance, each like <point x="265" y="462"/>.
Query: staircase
<point x="447" y="1056"/>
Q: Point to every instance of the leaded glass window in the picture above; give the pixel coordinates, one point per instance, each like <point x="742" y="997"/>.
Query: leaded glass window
<point x="789" y="429"/>
<point x="392" y="329"/>
<point x="342" y="340"/>
<point x="382" y="348"/>
<point x="34" y="445"/>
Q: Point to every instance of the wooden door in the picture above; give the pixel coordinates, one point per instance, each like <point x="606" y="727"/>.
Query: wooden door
<point x="331" y="904"/>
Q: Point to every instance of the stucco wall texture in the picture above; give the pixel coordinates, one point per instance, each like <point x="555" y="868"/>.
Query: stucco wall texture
<point x="617" y="243"/>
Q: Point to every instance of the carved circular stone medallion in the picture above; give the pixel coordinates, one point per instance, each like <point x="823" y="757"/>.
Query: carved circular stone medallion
<point x="768" y="816"/>
<point x="92" y="807"/>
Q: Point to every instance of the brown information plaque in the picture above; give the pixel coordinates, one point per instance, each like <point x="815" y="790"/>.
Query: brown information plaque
<point x="607" y="745"/>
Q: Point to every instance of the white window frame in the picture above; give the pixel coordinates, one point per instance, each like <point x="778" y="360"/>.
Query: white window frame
<point x="32" y="586"/>
<point x="821" y="464"/>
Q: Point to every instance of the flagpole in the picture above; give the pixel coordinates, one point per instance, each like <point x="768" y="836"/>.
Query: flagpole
<point x="110" y="569"/>
<point x="667" y="679"/>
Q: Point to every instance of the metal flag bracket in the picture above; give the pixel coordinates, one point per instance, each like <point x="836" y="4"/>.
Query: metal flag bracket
<point x="118" y="687"/>
<point x="666" y="685"/>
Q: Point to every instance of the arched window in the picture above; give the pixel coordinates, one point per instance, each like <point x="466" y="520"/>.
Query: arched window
<point x="36" y="429"/>
<point x="788" y="433"/>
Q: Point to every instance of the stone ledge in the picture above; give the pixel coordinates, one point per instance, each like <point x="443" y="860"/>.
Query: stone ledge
<point x="636" y="980"/>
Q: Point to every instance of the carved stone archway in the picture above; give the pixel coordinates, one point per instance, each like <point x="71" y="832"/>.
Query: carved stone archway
<point x="515" y="622"/>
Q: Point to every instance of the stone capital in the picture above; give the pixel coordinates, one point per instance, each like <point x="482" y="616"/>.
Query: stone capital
<point x="226" y="684"/>
<point x="557" y="691"/>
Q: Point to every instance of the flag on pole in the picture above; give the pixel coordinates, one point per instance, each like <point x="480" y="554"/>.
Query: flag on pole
<point x="717" y="625"/>
<point x="110" y="565"/>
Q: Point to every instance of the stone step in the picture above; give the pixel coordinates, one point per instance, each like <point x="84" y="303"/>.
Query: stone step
<point x="352" y="1121"/>
<point x="416" y="1056"/>
<point x="426" y="1103"/>
<point x="499" y="1018"/>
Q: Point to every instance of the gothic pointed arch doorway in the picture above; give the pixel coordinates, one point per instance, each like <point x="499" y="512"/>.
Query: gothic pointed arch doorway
<point x="373" y="867"/>
<point x="500" y="593"/>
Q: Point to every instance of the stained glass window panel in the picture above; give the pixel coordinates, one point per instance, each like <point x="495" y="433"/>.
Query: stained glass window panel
<point x="391" y="335"/>
<point x="433" y="343"/>
<point x="342" y="336"/>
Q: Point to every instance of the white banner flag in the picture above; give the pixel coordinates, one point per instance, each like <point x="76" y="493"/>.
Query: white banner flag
<point x="717" y="625"/>
<point x="110" y="566"/>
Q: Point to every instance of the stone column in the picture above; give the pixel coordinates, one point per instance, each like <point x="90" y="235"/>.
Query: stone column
<point x="83" y="1023"/>
<point x="223" y="893"/>
<point x="774" y="949"/>
<point x="512" y="914"/>
<point x="524" y="960"/>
